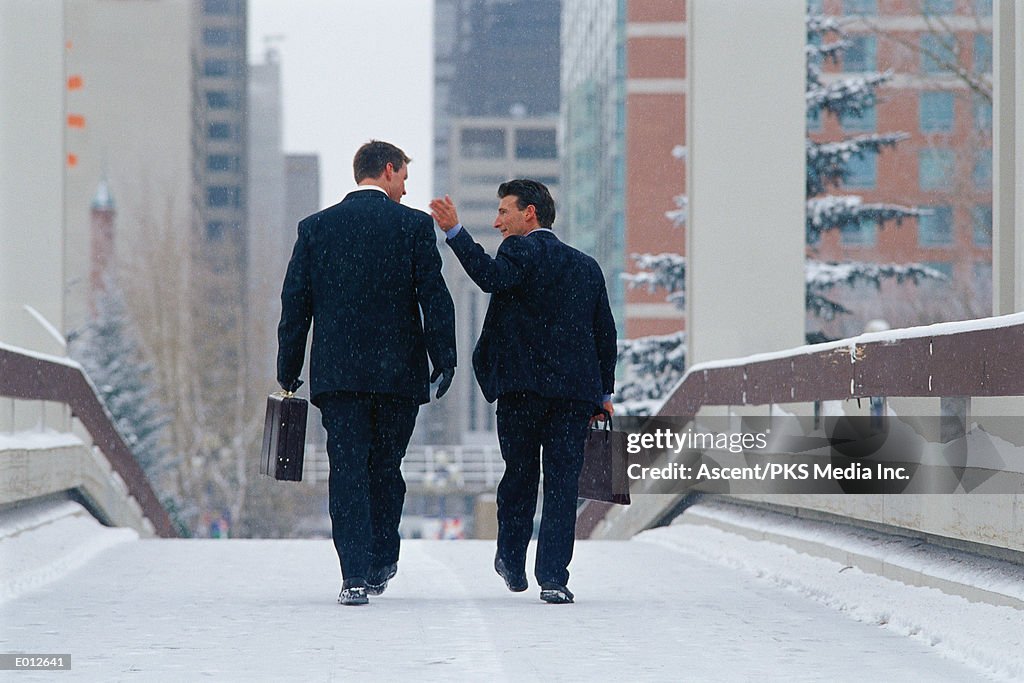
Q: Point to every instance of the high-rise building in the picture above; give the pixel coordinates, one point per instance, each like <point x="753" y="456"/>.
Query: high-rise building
<point x="220" y="132"/>
<point x="268" y="233"/>
<point x="624" y="93"/>
<point x="492" y="58"/>
<point x="129" y="121"/>
<point x="496" y="102"/>
<point x="220" y="300"/>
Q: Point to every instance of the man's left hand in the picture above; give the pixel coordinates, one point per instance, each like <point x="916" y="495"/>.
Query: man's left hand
<point x="609" y="410"/>
<point x="444" y="212"/>
<point x="446" y="375"/>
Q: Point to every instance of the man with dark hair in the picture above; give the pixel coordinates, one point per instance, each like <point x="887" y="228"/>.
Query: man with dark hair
<point x="367" y="274"/>
<point x="547" y="355"/>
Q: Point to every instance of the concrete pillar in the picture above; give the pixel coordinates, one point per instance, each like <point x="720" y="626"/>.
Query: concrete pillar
<point x="1008" y="158"/>
<point x="745" y="134"/>
<point x="32" y="173"/>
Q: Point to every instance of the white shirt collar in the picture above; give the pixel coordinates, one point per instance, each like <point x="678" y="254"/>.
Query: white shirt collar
<point x="360" y="188"/>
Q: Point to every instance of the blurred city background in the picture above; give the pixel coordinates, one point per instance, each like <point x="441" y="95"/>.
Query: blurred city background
<point x="175" y="203"/>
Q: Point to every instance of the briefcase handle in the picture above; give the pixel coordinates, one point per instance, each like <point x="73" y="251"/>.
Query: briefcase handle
<point x="284" y="393"/>
<point x="606" y="417"/>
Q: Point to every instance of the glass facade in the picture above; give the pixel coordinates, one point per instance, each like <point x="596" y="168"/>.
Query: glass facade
<point x="593" y="136"/>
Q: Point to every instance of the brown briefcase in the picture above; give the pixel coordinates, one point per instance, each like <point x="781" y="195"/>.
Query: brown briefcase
<point x="604" y="475"/>
<point x="284" y="437"/>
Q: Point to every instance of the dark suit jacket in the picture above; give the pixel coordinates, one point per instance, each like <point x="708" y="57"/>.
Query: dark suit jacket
<point x="362" y="271"/>
<point x="548" y="328"/>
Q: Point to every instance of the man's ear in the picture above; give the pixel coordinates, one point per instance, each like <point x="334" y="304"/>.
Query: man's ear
<point x="530" y="211"/>
<point x="389" y="170"/>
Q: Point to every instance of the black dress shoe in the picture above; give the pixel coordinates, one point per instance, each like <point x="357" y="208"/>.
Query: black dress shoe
<point x="555" y="593"/>
<point x="353" y="592"/>
<point x="516" y="581"/>
<point x="378" y="579"/>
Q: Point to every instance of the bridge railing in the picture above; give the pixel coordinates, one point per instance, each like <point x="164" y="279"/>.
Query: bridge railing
<point x="961" y="360"/>
<point x="26" y="376"/>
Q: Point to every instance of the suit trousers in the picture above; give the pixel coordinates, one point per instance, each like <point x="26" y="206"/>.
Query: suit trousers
<point x="367" y="434"/>
<point x="532" y="430"/>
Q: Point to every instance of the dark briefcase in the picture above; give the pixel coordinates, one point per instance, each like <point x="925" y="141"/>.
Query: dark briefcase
<point x="604" y="476"/>
<point x="284" y="437"/>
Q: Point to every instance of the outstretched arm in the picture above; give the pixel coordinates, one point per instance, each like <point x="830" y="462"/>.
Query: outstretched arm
<point x="506" y="270"/>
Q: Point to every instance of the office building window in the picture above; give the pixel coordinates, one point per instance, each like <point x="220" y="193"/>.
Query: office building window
<point x="860" y="6"/>
<point x="982" y="173"/>
<point x="862" y="234"/>
<point x="868" y="120"/>
<point x="935" y="169"/>
<point x="220" y="130"/>
<point x="981" y="218"/>
<point x="220" y="196"/>
<point x="536" y="144"/>
<point x="935" y="228"/>
<point x="936" y="112"/>
<point x="983" y="8"/>
<point x="215" y="230"/>
<point x="983" y="53"/>
<point x="217" y="67"/>
<point x="938" y="6"/>
<point x="862" y="172"/>
<point x="936" y="51"/>
<point x="221" y="162"/>
<point x="221" y="37"/>
<point x="218" y="99"/>
<point x="483" y="143"/>
<point x="861" y="55"/>
<point x="815" y="6"/>
<point x="220" y="7"/>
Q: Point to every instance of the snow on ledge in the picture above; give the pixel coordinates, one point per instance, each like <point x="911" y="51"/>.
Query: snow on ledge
<point x="42" y="543"/>
<point x="887" y="337"/>
<point x="34" y="440"/>
<point x="40" y="356"/>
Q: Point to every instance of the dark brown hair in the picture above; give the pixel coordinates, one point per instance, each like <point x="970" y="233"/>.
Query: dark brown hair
<point x="374" y="156"/>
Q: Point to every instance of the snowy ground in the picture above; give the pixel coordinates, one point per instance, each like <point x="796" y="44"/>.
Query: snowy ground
<point x="680" y="603"/>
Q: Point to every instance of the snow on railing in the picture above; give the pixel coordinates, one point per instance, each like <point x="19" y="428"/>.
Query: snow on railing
<point x="26" y="375"/>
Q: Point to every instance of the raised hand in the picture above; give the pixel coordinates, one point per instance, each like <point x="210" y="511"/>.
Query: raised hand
<point x="444" y="212"/>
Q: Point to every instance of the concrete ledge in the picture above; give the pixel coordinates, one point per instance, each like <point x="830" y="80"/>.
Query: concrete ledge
<point x="28" y="474"/>
<point x="908" y="560"/>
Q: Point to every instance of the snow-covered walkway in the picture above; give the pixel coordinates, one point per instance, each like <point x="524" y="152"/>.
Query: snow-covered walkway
<point x="680" y="603"/>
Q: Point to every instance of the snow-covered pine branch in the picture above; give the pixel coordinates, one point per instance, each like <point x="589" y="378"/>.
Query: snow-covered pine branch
<point x="821" y="277"/>
<point x="851" y="96"/>
<point x="827" y="162"/>
<point x="665" y="271"/>
<point x="651" y="366"/>
<point x="833" y="212"/>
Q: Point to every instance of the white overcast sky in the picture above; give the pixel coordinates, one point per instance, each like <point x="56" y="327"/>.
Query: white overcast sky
<point x="353" y="70"/>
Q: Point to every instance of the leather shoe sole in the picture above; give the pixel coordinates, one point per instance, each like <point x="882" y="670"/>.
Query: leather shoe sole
<point x="516" y="583"/>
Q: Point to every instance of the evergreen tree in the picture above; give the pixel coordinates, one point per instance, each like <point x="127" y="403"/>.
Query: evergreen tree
<point x="828" y="166"/>
<point x="108" y="352"/>
<point x="652" y="366"/>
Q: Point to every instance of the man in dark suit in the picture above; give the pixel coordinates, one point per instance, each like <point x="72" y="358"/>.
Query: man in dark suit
<point x="547" y="354"/>
<point x="362" y="272"/>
